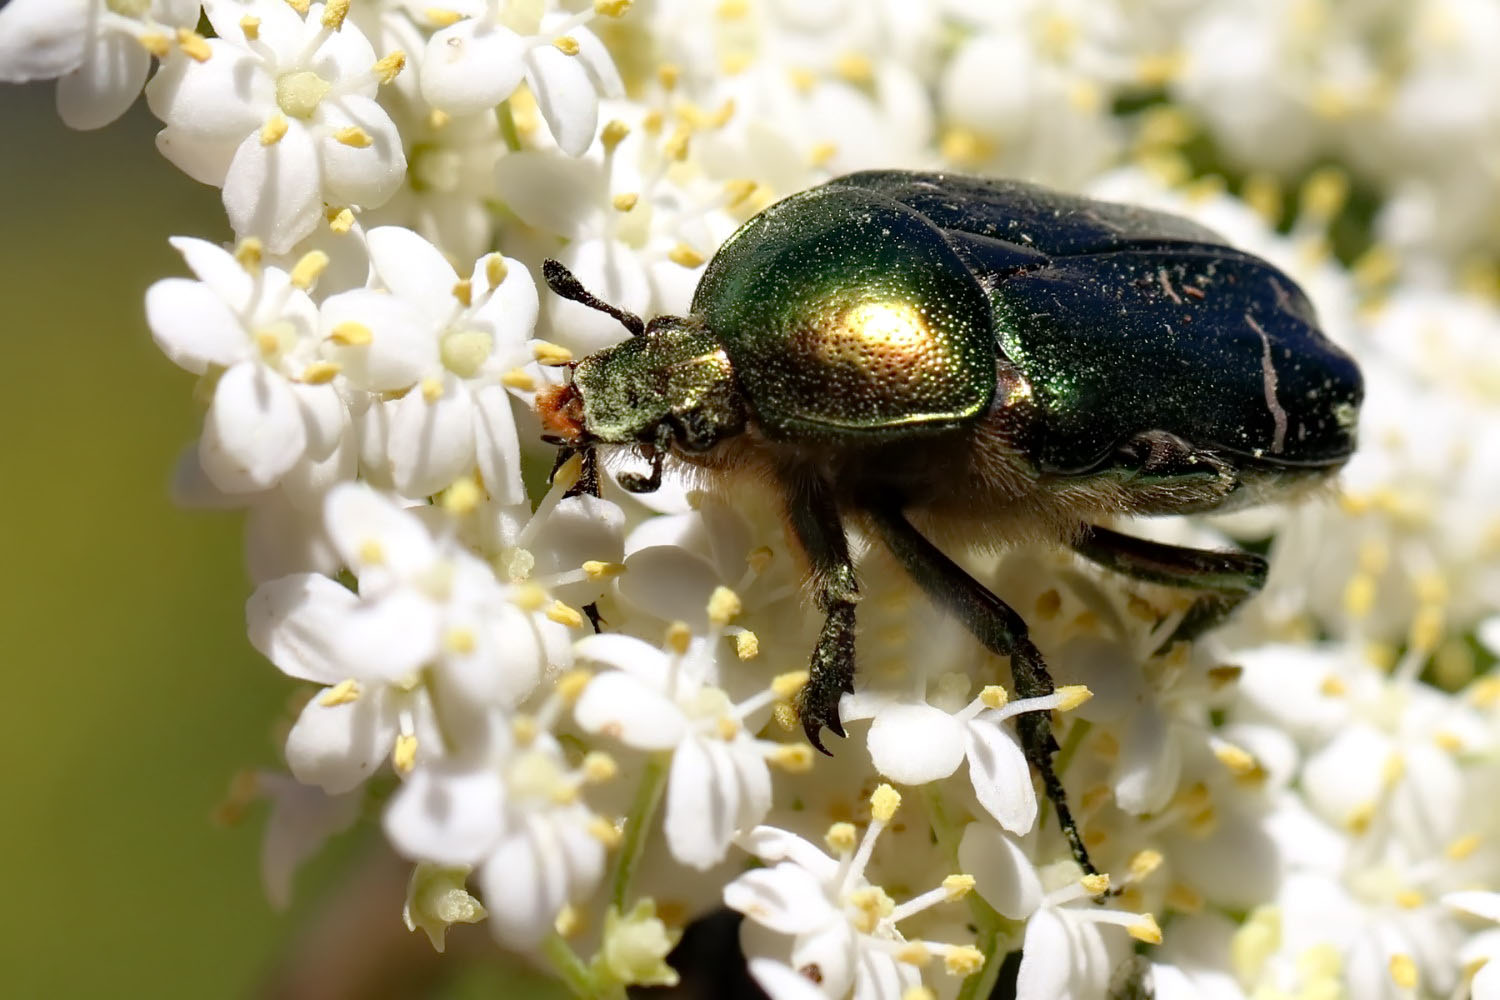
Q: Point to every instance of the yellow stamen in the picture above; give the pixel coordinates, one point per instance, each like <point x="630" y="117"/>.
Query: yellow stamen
<point x="340" y="221"/>
<point x="342" y="693"/>
<point x="625" y="202"/>
<point x="432" y="389"/>
<point x="250" y="27"/>
<point x="723" y="605"/>
<point x="1144" y="863"/>
<point x="841" y="838"/>
<point x="248" y="254"/>
<point x="334" y="12"/>
<point x="354" y="137"/>
<point x="613" y="134"/>
<point x="568" y="921"/>
<point x="273" y="130"/>
<point x="963" y="961"/>
<point x="518" y="378"/>
<point x="958" y="886"/>
<point x="913" y="953"/>
<point x="611" y="8"/>
<point x="404" y="754"/>
<point x="495" y="270"/>
<point x="685" y="256"/>
<point x="463" y="291"/>
<point x="678" y="637"/>
<point x="308" y="268"/>
<point x="1145" y="929"/>
<point x="1404" y="971"/>
<point x="156" y="43"/>
<point x="884" y="802"/>
<point x="785" y="686"/>
<point x="193" y="45"/>
<point x="321" y="372"/>
<point x="462" y="497"/>
<point x="550" y="354"/>
<point x="746" y="645"/>
<point x="300" y="6"/>
<point x="994" y="696"/>
<point x="529" y="597"/>
<point x="1095" y="885"/>
<point x="793" y="758"/>
<point x="567" y="45"/>
<point x="1073" y="695"/>
<point x="564" y="615"/>
<point x="571" y="684"/>
<point x="442" y="17"/>
<point x="389" y="66"/>
<point x="351" y="334"/>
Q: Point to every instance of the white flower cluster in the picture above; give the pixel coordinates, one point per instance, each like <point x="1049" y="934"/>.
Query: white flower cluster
<point x="1299" y="806"/>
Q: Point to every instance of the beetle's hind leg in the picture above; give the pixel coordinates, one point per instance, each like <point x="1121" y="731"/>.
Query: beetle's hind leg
<point x="814" y="518"/>
<point x="1228" y="578"/>
<point x="995" y="624"/>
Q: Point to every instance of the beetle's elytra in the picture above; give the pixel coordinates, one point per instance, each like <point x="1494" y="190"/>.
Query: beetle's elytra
<point x="974" y="358"/>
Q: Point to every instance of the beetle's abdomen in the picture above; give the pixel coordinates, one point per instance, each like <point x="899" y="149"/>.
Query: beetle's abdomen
<point x="848" y="316"/>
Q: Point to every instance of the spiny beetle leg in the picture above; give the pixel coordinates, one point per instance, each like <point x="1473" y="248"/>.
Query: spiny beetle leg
<point x="587" y="483"/>
<point x="814" y="518"/>
<point x="997" y="626"/>
<point x="1230" y="577"/>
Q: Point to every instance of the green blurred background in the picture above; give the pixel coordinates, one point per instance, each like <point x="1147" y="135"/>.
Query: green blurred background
<point x="133" y="696"/>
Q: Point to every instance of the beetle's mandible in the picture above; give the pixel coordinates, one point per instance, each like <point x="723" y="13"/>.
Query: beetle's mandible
<point x="931" y="355"/>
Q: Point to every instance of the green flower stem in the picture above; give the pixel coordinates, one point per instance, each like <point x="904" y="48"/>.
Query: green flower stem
<point x="576" y="976"/>
<point x="982" y="983"/>
<point x="993" y="928"/>
<point x="637" y="824"/>
<point x="508" y="130"/>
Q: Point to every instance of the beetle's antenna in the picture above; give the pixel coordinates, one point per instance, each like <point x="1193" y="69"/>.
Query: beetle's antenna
<point x="562" y="282"/>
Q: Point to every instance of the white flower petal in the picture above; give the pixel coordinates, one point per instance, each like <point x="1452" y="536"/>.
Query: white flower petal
<point x="390" y="638"/>
<point x="565" y="96"/>
<point x="471" y="66"/>
<point x="770" y="843"/>
<point x="497" y="446"/>
<point x="532" y="873"/>
<point x="371" y="532"/>
<point x="782" y="982"/>
<point x="338" y="746"/>
<point x="555" y="194"/>
<point x="223" y="99"/>
<point x="193" y="326"/>
<point x="324" y="417"/>
<point x="1149" y="764"/>
<point x="253" y="432"/>
<point x="670" y="584"/>
<point x="218" y="270"/>
<point x="621" y="706"/>
<point x="107" y="83"/>
<point x="1481" y="904"/>
<point x="432" y="443"/>
<point x="1047" y="958"/>
<point x="403" y="343"/>
<point x="635" y="656"/>
<point x="916" y="744"/>
<point x="275" y="192"/>
<point x="787" y="899"/>
<point x="579" y="529"/>
<point x="447" y="815"/>
<point x="301" y="821"/>
<point x="204" y="161"/>
<point x="611" y="271"/>
<point x="293" y="623"/>
<point x="42" y="39"/>
<point x="703" y="802"/>
<point x="1001" y="777"/>
<point x="879" y="976"/>
<point x="1003" y="874"/>
<point x="362" y="175"/>
<point x="415" y="271"/>
<point x="833" y="950"/>
<point x="594" y="56"/>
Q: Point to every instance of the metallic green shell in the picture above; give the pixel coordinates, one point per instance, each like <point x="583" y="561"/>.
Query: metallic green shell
<point x="846" y="315"/>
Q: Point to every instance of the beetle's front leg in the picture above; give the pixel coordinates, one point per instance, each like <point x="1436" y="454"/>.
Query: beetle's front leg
<point x="995" y="624"/>
<point x="1228" y="577"/>
<point x="814" y="518"/>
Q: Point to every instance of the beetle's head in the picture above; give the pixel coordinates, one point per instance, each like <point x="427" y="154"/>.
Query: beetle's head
<point x="669" y="387"/>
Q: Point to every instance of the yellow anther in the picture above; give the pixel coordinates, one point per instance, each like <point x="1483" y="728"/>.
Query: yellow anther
<point x="1145" y="929"/>
<point x="1095" y="885"/>
<point x="821" y="154"/>
<point x="567" y="45"/>
<point x="370" y="552"/>
<point x="571" y="684"/>
<point x="1410" y="899"/>
<point x="342" y="693"/>
<point x="611" y="8"/>
<point x="685" y="256"/>
<point x="1448" y="741"/>
<point x="625" y="202"/>
<point x="550" y="354"/>
<point x="1073" y="695"/>
<point x="249" y="253"/>
<point x="432" y="388"/>
<point x="273" y="130"/>
<point x="723" y="605"/>
<point x="727" y="727"/>
<point x="568" y="921"/>
<point x="300" y="6"/>
<point x="1324" y="193"/>
<point x="404" y="753"/>
<point x="1262" y="192"/>
<point x="1427" y="627"/>
<point x="841" y="838"/>
<point x="1333" y="686"/>
<point x="438" y="119"/>
<point x="802" y="79"/>
<point x="746" y="645"/>
<point x="250" y="27"/>
<point x="652" y="122"/>
<point x="613" y="134"/>
<point x="738" y="190"/>
<point x="267" y="342"/>
<point x="759" y="558"/>
<point x="958" y="886"/>
<point x="785" y="715"/>
<point x="855" y="67"/>
<point x="1239" y="760"/>
<point x="340" y="221"/>
<point x="913" y="953"/>
<point x="351" y="334"/>
<point x="1359" y="595"/>
<point x="722" y="114"/>
<point x="528" y="597"/>
<point x="883" y="803"/>
<point x="1360" y="817"/>
<point x="354" y="137"/>
<point x="389" y="66"/>
<point x="597" y="570"/>
<point x="964" y="146"/>
<point x="793" y="758"/>
<point x="872" y="904"/>
<point x="495" y="270"/>
<point x="964" y="960"/>
<point x="1223" y="676"/>
<point x="1159" y="68"/>
<point x="1048" y="604"/>
<point x="463" y="497"/>
<point x="599" y="767"/>
<point x="442" y="17"/>
<point x="678" y="637"/>
<point x="564" y="615"/>
<point x="525" y="729"/>
<point x="156" y="43"/>
<point x="1144" y="863"/>
<point x="334" y="12"/>
<point x="994" y="696"/>
<point x="1463" y="847"/>
<point x="1403" y="971"/>
<point x="606" y="832"/>
<point x="461" y="641"/>
<point x="307" y="269"/>
<point x="193" y="45"/>
<point x="785" y="686"/>
<point x="1485" y="692"/>
<point x="917" y="992"/>
<point x="463" y="291"/>
<point x="320" y="372"/>
<point x="518" y="378"/>
<point x="1183" y="898"/>
<point x="732" y="10"/>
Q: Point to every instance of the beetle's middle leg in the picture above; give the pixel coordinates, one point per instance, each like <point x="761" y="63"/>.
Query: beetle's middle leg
<point x="995" y="624"/>
<point x="1227" y="577"/>
<point x="814" y="518"/>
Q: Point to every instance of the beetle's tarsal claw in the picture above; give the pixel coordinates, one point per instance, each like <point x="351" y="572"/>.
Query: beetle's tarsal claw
<point x="588" y="476"/>
<point x="565" y="284"/>
<point x="634" y="482"/>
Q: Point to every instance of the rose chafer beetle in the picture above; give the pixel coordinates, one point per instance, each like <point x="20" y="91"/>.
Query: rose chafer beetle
<point x="935" y="356"/>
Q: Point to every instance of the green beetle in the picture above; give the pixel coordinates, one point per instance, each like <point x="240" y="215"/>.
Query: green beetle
<point x="936" y="355"/>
